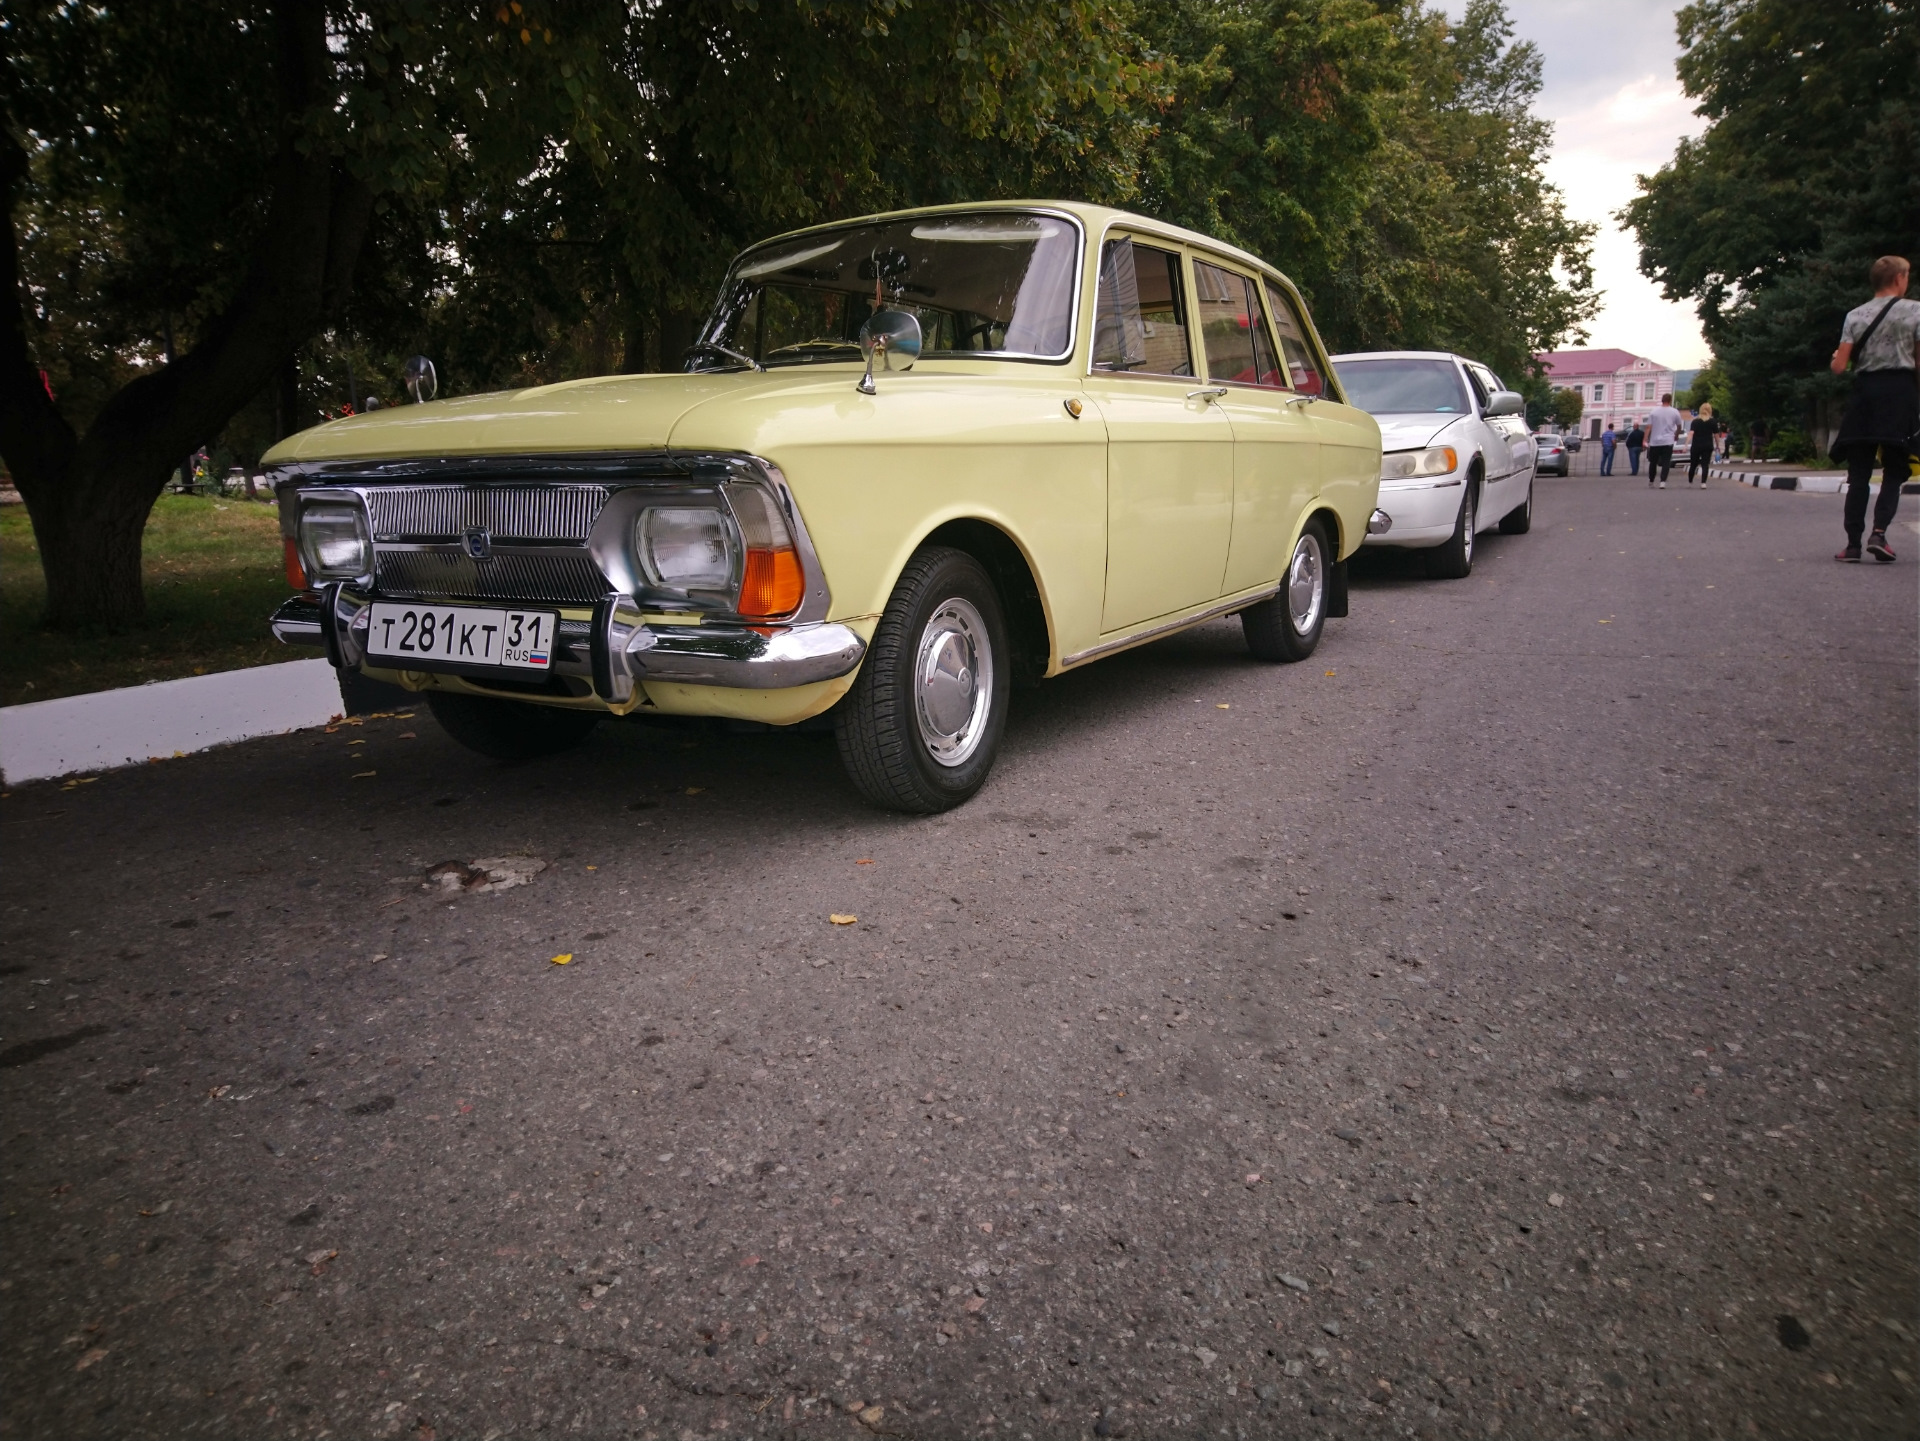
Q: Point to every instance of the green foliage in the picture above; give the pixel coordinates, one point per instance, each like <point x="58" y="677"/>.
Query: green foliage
<point x="213" y="574"/>
<point x="1567" y="407"/>
<point x="1769" y="220"/>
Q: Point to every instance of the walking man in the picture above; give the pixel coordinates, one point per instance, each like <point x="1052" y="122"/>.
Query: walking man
<point x="1607" y="441"/>
<point x="1636" y="438"/>
<point x="1700" y="448"/>
<point x="1663" y="430"/>
<point x="1882" y="340"/>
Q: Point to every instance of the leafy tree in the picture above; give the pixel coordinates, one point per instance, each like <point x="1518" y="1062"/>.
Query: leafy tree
<point x="394" y="150"/>
<point x="1568" y="406"/>
<point x="1769" y="220"/>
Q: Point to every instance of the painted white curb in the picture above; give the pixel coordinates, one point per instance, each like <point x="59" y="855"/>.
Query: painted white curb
<point x="127" y="727"/>
<point x="1826" y="482"/>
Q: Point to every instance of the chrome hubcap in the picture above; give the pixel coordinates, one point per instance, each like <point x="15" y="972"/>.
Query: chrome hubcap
<point x="1306" y="584"/>
<point x="953" y="682"/>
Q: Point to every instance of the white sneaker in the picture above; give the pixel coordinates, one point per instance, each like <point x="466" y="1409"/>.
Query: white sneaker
<point x="1663" y="485"/>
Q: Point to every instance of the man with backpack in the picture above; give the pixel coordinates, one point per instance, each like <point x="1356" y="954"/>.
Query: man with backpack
<point x="1882" y="341"/>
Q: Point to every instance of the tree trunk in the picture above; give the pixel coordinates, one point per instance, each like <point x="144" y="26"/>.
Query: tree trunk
<point x="89" y="496"/>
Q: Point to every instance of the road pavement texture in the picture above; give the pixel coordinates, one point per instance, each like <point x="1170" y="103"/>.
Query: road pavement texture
<point x="1503" y="1024"/>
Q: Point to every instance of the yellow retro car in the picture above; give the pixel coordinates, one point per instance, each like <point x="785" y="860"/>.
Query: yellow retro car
<point x="913" y="459"/>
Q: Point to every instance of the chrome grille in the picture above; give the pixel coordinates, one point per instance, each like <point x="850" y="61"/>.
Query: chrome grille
<point x="509" y="513"/>
<point x="560" y="576"/>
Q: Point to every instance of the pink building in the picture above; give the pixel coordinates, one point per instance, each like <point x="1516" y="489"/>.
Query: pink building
<point x="1617" y="386"/>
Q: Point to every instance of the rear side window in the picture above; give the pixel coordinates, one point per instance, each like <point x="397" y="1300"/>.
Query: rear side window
<point x="1481" y="390"/>
<point x="1140" y="320"/>
<point x="1239" y="349"/>
<point x="1303" y="371"/>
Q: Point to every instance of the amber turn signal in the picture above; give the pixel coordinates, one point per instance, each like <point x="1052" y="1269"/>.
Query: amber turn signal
<point x="296" y="572"/>
<point x="772" y="584"/>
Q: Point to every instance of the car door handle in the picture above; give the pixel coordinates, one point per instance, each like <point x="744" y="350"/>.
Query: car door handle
<point x="1300" y="400"/>
<point x="1211" y="393"/>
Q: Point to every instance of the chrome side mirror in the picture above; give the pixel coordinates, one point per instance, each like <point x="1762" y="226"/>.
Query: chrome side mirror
<point x="1506" y="402"/>
<point x="891" y="335"/>
<point x="422" y="383"/>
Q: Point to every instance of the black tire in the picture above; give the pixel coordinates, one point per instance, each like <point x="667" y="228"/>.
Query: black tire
<point x="924" y="744"/>
<point x="1519" y="520"/>
<point x="1287" y="627"/>
<point x="509" y="730"/>
<point x="1452" y="559"/>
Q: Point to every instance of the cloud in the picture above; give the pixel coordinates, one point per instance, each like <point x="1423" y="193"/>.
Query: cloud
<point x="1608" y="85"/>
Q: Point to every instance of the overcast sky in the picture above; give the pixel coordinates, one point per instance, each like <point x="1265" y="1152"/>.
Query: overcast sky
<point x="1618" y="110"/>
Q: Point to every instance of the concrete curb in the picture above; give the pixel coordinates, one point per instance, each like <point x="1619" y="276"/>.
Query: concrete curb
<point x="1826" y="482"/>
<point x="171" y="717"/>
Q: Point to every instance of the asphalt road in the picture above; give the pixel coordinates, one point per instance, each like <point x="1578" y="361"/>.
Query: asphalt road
<point x="1503" y="1024"/>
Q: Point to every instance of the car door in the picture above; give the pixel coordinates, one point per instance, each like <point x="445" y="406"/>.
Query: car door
<point x="1276" y="452"/>
<point x="1512" y="432"/>
<point x="1169" y="448"/>
<point x="1349" y="438"/>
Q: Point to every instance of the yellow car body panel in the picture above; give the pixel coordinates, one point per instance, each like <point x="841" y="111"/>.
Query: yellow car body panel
<point x="976" y="440"/>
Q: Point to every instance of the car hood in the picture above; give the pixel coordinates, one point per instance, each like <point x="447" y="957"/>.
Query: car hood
<point x="1415" y="431"/>
<point x="605" y="413"/>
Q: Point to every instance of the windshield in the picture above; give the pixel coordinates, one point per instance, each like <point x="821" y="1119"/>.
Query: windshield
<point x="1403" y="387"/>
<point x="994" y="284"/>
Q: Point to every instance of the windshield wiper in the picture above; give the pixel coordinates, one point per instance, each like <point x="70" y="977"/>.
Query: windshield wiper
<point x="708" y="347"/>
<point x="807" y="351"/>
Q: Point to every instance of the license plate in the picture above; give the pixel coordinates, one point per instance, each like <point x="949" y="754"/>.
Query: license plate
<point x="462" y="635"/>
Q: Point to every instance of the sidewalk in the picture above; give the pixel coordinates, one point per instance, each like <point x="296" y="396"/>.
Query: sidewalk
<point x="130" y="726"/>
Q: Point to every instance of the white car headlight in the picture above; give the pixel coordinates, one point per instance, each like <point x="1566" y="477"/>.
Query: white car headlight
<point x="686" y="548"/>
<point x="333" y="541"/>
<point x="1409" y="464"/>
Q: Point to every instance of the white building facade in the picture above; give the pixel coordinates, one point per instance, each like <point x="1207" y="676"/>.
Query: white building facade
<point x="1617" y="387"/>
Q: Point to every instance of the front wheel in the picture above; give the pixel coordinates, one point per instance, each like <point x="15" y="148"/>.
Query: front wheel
<point x="1287" y="627"/>
<point x="1452" y="559"/>
<point x="1519" y="520"/>
<point x="921" y="727"/>
<point x="509" y="730"/>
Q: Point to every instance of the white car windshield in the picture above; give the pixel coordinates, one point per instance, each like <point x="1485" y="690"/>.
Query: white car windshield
<point x="996" y="283"/>
<point x="1403" y="387"/>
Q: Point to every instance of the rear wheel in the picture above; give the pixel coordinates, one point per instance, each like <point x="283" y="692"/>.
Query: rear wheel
<point x="509" y="730"/>
<point x="1452" y="559"/>
<point x="1519" y="520"/>
<point x="921" y="727"/>
<point x="1287" y="627"/>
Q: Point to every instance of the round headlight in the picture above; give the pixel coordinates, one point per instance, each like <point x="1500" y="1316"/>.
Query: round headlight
<point x="685" y="548"/>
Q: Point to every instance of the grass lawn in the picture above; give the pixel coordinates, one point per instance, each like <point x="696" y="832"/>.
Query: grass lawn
<point x="213" y="576"/>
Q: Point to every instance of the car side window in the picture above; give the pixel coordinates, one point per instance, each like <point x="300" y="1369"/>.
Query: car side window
<point x="1140" y="319"/>
<point x="1303" y="371"/>
<point x="1239" y="349"/>
<point x="1476" y="377"/>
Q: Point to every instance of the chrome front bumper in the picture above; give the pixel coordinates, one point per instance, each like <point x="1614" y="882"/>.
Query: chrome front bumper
<point x="616" y="649"/>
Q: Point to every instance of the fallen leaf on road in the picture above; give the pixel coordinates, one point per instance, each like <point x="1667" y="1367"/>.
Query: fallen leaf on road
<point x="695" y="790"/>
<point x="863" y="863"/>
<point x="362" y="775"/>
<point x="98" y="1353"/>
<point x="842" y="920"/>
<point x="563" y="958"/>
<point x="407" y="736"/>
<point x="1224" y="706"/>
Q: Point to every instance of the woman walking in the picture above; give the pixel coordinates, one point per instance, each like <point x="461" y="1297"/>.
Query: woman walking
<point x="1882" y="340"/>
<point x="1700" y="449"/>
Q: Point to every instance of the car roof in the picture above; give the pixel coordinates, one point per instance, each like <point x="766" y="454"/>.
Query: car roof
<point x="1096" y="218"/>
<point x="1404" y="355"/>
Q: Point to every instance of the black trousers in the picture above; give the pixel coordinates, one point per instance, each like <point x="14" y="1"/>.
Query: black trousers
<point x="1896" y="465"/>
<point x="1700" y="460"/>
<point x="1659" y="462"/>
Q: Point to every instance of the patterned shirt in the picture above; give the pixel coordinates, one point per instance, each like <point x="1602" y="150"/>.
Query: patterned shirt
<point x="1891" y="346"/>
